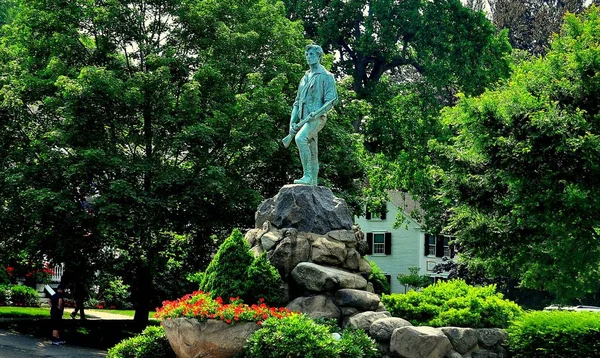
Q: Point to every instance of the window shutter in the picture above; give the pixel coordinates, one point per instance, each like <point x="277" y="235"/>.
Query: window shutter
<point x="439" y="246"/>
<point x="389" y="278"/>
<point x="452" y="252"/>
<point x="383" y="214"/>
<point x="427" y="244"/>
<point x="388" y="243"/>
<point x="370" y="243"/>
<point x="368" y="215"/>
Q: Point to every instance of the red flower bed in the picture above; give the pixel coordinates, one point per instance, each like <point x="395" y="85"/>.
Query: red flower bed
<point x="201" y="306"/>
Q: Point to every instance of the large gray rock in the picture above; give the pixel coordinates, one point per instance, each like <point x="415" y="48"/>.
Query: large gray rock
<point x="419" y="342"/>
<point x="212" y="338"/>
<point x="364" y="266"/>
<point x="328" y="252"/>
<point x="269" y="240"/>
<point x="463" y="339"/>
<point x="306" y="208"/>
<point x="382" y="329"/>
<point x="318" y="306"/>
<point x="489" y="337"/>
<point x="347" y="237"/>
<point x="363" y="300"/>
<point x="289" y="253"/>
<point x="352" y="260"/>
<point x="319" y="278"/>
<point x="364" y="320"/>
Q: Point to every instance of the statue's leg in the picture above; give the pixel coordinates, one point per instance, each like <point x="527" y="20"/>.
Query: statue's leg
<point x="302" y="141"/>
<point x="314" y="159"/>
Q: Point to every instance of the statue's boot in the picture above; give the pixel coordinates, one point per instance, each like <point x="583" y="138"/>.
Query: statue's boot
<point x="305" y="159"/>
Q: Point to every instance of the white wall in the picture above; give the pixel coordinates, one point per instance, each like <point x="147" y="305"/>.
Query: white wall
<point x="407" y="245"/>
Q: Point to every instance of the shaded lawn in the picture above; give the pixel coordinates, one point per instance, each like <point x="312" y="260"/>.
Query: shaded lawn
<point x="44" y="312"/>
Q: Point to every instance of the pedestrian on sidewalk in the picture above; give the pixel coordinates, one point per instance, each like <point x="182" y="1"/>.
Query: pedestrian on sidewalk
<point x="57" y="308"/>
<point x="79" y="294"/>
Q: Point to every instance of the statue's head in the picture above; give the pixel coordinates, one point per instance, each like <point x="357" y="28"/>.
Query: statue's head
<point x="316" y="49"/>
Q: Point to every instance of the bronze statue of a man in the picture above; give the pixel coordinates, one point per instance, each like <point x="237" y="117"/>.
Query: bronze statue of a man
<point x="316" y="96"/>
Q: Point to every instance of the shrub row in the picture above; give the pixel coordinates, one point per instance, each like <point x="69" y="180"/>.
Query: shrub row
<point x="555" y="334"/>
<point x="453" y="303"/>
<point x="18" y="295"/>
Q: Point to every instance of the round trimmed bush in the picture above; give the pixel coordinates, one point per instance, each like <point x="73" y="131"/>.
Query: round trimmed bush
<point x="555" y="334"/>
<point x="453" y="303"/>
<point x="22" y="295"/>
<point x="291" y="337"/>
<point x="151" y="343"/>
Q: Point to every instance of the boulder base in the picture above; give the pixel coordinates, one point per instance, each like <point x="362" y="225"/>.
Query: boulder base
<point x="306" y="208"/>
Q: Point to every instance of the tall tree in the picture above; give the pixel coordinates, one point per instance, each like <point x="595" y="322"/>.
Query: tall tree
<point x="138" y="129"/>
<point x="521" y="167"/>
<point x="532" y="23"/>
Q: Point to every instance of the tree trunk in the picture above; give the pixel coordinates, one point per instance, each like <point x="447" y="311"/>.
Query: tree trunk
<point x="143" y="290"/>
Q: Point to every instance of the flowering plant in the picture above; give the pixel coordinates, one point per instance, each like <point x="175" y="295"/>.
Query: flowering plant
<point x="201" y="306"/>
<point x="43" y="275"/>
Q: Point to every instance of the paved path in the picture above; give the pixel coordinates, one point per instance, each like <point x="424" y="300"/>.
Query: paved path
<point x="14" y="345"/>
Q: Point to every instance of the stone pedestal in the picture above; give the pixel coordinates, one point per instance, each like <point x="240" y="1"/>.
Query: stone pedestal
<point x="190" y="338"/>
<point x="308" y="236"/>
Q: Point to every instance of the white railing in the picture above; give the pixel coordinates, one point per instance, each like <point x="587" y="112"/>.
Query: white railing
<point x="57" y="272"/>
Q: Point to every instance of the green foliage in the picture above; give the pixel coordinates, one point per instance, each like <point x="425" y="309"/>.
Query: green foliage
<point x="453" y="303"/>
<point x="226" y="275"/>
<point x="263" y="282"/>
<point x="555" y="334"/>
<point x="517" y="173"/>
<point x="299" y="336"/>
<point x="378" y="279"/>
<point x="117" y="294"/>
<point x="4" y="276"/>
<point x="150" y="343"/>
<point x="357" y="343"/>
<point x="413" y="279"/>
<point x="22" y="295"/>
<point x="5" y="295"/>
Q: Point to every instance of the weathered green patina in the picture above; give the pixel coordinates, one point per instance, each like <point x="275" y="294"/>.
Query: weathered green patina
<point x="317" y="94"/>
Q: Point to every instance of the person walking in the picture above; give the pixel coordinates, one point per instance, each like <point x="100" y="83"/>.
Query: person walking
<point x="57" y="308"/>
<point x="79" y="294"/>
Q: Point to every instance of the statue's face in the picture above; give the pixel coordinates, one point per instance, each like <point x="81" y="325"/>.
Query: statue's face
<point x="312" y="57"/>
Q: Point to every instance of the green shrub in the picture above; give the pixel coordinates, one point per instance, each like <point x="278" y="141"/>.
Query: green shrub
<point x="225" y="276"/>
<point x="357" y="344"/>
<point x="116" y="294"/>
<point x="291" y="337"/>
<point x="22" y="295"/>
<point x="5" y="295"/>
<point x="378" y="279"/>
<point x="453" y="303"/>
<point x="151" y="343"/>
<point x="555" y="334"/>
<point x="298" y="336"/>
<point x="263" y="282"/>
<point x="4" y="276"/>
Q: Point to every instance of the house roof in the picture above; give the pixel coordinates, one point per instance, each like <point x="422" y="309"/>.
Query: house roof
<point x="407" y="204"/>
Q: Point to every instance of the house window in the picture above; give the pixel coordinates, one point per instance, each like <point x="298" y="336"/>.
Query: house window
<point x="380" y="215"/>
<point x="438" y="246"/>
<point x="379" y="244"/>
<point x="431" y="245"/>
<point x="447" y="251"/>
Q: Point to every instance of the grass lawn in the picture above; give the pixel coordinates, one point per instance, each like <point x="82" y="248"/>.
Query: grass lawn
<point x="44" y="312"/>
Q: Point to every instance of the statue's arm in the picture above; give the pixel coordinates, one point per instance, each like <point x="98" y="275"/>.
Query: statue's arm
<point x="295" y="109"/>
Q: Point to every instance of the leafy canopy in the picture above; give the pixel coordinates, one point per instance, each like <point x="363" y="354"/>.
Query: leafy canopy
<point x="519" y="173"/>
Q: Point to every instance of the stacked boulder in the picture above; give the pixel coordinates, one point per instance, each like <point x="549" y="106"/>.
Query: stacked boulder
<point x="308" y="236"/>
